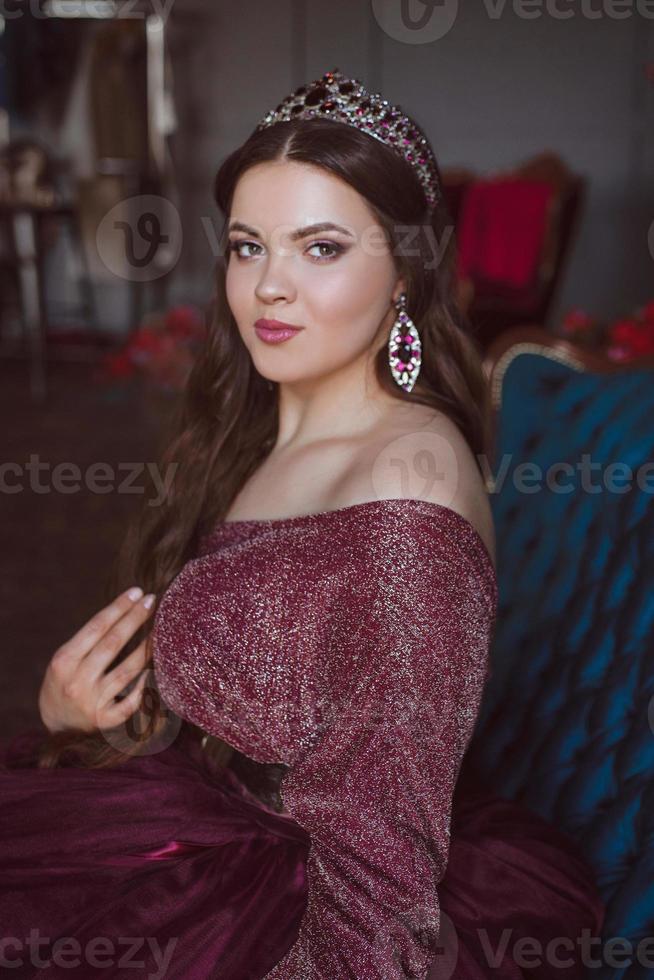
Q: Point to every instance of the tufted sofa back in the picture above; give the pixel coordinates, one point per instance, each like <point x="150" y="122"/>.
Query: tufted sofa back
<point x="567" y="719"/>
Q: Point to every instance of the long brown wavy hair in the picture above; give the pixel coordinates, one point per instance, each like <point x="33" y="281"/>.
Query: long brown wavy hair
<point x="227" y="419"/>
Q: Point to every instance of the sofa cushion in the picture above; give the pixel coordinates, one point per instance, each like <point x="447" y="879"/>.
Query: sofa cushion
<point x="567" y="719"/>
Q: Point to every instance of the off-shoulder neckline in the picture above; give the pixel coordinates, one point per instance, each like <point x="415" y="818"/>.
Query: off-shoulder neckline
<point x="351" y="509"/>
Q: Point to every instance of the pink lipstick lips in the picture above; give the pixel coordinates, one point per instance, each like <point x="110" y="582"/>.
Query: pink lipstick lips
<point x="275" y="331"/>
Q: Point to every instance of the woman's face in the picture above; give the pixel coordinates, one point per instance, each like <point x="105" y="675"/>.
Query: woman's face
<point x="338" y="284"/>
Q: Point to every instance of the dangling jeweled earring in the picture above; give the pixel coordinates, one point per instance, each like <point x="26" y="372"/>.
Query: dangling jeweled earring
<point x="404" y="347"/>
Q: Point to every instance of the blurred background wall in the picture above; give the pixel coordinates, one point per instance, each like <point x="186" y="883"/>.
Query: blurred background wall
<point x="501" y="84"/>
<point x="490" y="92"/>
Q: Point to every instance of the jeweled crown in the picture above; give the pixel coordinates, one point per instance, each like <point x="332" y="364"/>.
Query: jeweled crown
<point x="346" y="100"/>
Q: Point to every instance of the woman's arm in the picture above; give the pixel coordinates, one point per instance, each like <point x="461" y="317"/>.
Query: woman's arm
<point x="375" y="789"/>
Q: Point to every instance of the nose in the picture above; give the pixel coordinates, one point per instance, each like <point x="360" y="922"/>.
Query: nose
<point x="275" y="282"/>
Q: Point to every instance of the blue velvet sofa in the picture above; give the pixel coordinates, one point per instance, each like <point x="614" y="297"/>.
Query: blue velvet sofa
<point x="567" y="719"/>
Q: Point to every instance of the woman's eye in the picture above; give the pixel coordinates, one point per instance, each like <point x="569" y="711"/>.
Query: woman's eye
<point x="236" y="247"/>
<point x="336" y="249"/>
<point x="333" y="248"/>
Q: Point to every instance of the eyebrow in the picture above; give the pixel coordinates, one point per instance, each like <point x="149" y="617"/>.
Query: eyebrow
<point x="298" y="233"/>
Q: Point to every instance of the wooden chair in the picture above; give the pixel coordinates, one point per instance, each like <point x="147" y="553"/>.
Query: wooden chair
<point x="492" y="307"/>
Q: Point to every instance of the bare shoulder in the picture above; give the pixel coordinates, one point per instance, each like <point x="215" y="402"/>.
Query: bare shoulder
<point x="461" y="486"/>
<point x="426" y="456"/>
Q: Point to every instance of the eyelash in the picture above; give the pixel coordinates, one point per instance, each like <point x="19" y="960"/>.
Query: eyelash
<point x="234" y="246"/>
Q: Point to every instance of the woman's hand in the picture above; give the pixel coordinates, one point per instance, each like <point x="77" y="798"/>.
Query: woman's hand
<point x="76" y="692"/>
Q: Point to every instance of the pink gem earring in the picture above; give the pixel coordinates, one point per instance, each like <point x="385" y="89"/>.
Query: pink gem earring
<point x="404" y="347"/>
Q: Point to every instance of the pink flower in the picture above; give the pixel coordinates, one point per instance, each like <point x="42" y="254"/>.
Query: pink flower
<point x="118" y="365"/>
<point x="145" y="339"/>
<point x="577" y="321"/>
<point x="162" y="349"/>
<point x="185" y="321"/>
<point x="617" y="353"/>
<point x="634" y="335"/>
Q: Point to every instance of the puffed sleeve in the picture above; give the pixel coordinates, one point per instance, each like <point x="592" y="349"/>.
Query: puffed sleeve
<point x="374" y="790"/>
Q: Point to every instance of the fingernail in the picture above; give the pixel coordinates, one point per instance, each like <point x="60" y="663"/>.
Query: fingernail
<point x="135" y="593"/>
<point x="149" y="599"/>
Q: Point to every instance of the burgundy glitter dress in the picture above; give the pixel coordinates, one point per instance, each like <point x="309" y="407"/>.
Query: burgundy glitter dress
<point x="343" y="655"/>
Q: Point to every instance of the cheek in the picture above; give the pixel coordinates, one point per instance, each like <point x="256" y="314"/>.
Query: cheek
<point x="239" y="293"/>
<point x="350" y="301"/>
<point x="231" y="286"/>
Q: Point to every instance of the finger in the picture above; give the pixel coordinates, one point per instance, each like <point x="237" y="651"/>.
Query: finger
<point x="75" y="649"/>
<point x="120" y="711"/>
<point x="91" y="669"/>
<point x="116" y="680"/>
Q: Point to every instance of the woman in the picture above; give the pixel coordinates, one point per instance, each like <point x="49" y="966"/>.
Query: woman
<point x="325" y="588"/>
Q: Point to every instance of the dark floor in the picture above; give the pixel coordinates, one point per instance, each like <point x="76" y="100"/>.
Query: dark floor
<point x="57" y="548"/>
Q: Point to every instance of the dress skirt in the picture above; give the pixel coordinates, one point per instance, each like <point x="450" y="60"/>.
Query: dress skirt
<point x="160" y="868"/>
